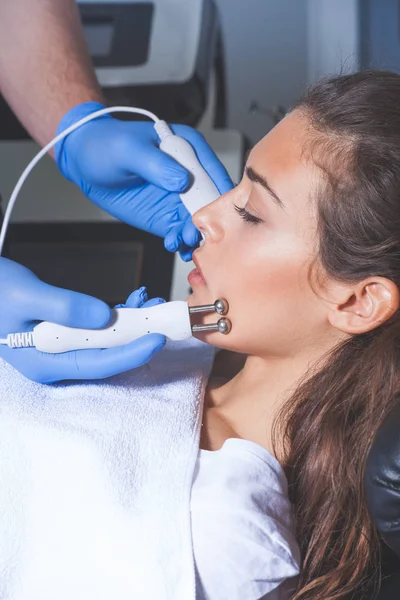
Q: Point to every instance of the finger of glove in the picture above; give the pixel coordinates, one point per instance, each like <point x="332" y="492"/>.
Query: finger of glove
<point x="206" y="156"/>
<point x="190" y="234"/>
<point x="173" y="239"/>
<point x="154" y="302"/>
<point x="186" y="253"/>
<point x="182" y="235"/>
<point x="148" y="304"/>
<point x="34" y="365"/>
<point x="99" y="364"/>
<point x="136" y="299"/>
<point x="65" y="307"/>
<point x="83" y="364"/>
<point x="145" y="159"/>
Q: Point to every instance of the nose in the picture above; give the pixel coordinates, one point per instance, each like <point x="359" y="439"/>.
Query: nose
<point x="209" y="222"/>
<point x="213" y="219"/>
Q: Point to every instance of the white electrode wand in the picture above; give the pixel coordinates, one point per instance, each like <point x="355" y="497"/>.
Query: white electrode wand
<point x="202" y="190"/>
<point x="171" y="319"/>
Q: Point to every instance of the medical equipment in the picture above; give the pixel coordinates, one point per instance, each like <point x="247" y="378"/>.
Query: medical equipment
<point x="172" y="318"/>
<point x="202" y="190"/>
<point x="139" y="62"/>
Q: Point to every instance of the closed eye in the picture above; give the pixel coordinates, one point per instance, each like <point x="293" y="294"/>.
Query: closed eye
<point x="246" y="216"/>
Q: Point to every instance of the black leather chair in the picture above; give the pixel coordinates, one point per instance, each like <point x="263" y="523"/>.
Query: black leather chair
<point x="382" y="487"/>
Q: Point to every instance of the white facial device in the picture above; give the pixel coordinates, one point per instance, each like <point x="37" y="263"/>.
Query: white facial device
<point x="171" y="319"/>
<point x="202" y="190"/>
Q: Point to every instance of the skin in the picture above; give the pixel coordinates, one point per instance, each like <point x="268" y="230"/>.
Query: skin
<point x="45" y="68"/>
<point x="282" y="319"/>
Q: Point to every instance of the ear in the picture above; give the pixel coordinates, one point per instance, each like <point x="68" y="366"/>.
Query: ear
<point x="365" y="306"/>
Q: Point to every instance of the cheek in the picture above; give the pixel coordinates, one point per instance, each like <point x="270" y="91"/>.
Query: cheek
<point x="270" y="298"/>
<point x="267" y="293"/>
<point x="265" y="270"/>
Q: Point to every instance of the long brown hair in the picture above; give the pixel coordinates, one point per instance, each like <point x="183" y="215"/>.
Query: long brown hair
<point x="330" y="422"/>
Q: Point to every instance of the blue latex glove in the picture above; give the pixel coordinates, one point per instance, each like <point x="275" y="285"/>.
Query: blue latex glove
<point x="118" y="166"/>
<point x="25" y="300"/>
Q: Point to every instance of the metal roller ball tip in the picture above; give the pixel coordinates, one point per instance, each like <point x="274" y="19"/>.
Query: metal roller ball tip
<point x="221" y="306"/>
<point x="224" y="326"/>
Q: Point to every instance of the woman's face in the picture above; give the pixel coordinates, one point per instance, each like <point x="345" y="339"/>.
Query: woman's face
<point x="260" y="240"/>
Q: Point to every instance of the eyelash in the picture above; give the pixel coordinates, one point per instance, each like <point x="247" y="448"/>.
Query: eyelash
<point x="246" y="216"/>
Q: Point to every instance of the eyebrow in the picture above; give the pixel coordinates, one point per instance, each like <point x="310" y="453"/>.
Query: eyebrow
<point x="257" y="178"/>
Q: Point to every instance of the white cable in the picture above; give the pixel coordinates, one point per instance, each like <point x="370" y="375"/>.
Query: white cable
<point x="163" y="130"/>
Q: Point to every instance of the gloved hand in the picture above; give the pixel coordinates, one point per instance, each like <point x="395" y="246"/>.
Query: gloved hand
<point x="118" y="166"/>
<point x="25" y="299"/>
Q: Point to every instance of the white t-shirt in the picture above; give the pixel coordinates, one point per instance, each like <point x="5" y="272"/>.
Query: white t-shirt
<point x="242" y="524"/>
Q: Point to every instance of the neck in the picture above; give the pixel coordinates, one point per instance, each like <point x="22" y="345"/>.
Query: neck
<point x="251" y="400"/>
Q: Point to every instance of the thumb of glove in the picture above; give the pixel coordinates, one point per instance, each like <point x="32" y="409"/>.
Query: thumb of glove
<point x="156" y="167"/>
<point x="66" y="307"/>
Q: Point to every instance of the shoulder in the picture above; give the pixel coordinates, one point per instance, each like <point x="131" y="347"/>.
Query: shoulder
<point x="242" y="523"/>
<point x="214" y="430"/>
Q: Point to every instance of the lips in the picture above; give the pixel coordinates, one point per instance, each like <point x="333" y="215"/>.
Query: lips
<point x="195" y="277"/>
<point x="199" y="271"/>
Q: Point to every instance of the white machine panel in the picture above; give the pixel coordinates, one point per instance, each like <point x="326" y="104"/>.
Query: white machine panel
<point x="175" y="37"/>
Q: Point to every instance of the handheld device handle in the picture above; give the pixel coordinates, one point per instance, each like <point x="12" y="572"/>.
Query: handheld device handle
<point x="202" y="190"/>
<point x="127" y="324"/>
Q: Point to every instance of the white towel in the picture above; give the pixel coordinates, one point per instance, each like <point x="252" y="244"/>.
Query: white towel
<point x="95" y="482"/>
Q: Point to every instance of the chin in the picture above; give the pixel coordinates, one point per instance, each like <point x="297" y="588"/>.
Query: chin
<point x="200" y="296"/>
<point x="220" y="341"/>
<point x="214" y="338"/>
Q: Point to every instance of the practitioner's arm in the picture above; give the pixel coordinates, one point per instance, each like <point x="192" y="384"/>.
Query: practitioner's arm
<point x="45" y="69"/>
